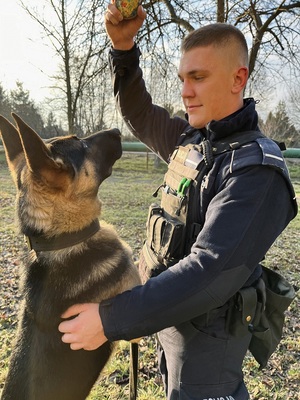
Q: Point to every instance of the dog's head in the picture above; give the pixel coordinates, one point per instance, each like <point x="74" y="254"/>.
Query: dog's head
<point x="60" y="177"/>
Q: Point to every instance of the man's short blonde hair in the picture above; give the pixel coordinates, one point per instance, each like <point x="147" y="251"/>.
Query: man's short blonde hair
<point x="220" y="35"/>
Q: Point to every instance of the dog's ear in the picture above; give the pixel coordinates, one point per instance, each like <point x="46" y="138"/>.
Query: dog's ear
<point x="36" y="152"/>
<point x="38" y="157"/>
<point x="12" y="145"/>
<point x="11" y="140"/>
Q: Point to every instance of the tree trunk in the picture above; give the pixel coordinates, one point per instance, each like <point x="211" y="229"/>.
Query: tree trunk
<point x="220" y="11"/>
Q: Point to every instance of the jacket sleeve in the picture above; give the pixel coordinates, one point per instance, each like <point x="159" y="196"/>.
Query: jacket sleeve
<point x="249" y="210"/>
<point x="148" y="122"/>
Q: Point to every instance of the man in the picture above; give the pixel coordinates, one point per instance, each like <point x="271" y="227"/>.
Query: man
<point x="243" y="206"/>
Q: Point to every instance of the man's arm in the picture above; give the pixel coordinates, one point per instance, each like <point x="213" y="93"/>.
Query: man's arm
<point x="235" y="237"/>
<point x="148" y="122"/>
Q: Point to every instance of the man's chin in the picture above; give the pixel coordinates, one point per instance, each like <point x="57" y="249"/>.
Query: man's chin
<point x="196" y="123"/>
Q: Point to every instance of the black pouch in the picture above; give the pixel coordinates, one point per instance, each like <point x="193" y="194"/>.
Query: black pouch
<point x="242" y="311"/>
<point x="259" y="309"/>
<point x="149" y="266"/>
<point x="267" y="330"/>
<point x="164" y="236"/>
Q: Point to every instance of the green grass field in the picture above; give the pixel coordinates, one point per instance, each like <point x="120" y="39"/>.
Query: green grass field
<point x="126" y="196"/>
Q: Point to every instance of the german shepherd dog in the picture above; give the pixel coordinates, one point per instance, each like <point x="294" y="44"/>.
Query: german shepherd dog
<point x="72" y="259"/>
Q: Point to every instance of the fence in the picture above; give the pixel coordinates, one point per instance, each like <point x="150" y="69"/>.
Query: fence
<point x="140" y="147"/>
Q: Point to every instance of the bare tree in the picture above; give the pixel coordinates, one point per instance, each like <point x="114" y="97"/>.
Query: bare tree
<point x="274" y="27"/>
<point x="220" y="10"/>
<point x="293" y="101"/>
<point x="76" y="33"/>
<point x="271" y="26"/>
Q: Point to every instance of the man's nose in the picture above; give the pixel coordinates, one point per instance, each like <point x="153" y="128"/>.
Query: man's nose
<point x="187" y="90"/>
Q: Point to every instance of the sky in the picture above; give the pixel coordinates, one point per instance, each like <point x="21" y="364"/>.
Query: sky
<point x="23" y="53"/>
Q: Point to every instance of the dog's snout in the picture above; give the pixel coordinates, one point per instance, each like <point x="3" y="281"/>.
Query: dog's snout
<point x="116" y="132"/>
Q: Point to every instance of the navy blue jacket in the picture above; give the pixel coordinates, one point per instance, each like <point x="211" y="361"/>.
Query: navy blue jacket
<point x="245" y="205"/>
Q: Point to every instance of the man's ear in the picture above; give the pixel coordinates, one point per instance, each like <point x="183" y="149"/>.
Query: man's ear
<point x="240" y="80"/>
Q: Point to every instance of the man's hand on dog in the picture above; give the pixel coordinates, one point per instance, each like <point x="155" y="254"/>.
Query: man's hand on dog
<point x="85" y="331"/>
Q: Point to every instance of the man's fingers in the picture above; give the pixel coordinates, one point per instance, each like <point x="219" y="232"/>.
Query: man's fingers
<point x="66" y="327"/>
<point x="113" y="15"/>
<point x="70" y="325"/>
<point x="141" y="13"/>
<point x="70" y="339"/>
<point x="73" y="311"/>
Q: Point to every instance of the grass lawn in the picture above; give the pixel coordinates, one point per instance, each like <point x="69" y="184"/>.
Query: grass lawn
<point x="126" y="196"/>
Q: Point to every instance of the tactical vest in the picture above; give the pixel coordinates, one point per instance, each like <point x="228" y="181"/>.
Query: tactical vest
<point x="173" y="226"/>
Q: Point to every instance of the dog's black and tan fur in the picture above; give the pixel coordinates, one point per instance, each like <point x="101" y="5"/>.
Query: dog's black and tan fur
<point x="57" y="184"/>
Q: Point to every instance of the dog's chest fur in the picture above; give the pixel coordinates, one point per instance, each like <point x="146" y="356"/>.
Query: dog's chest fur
<point x="89" y="272"/>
